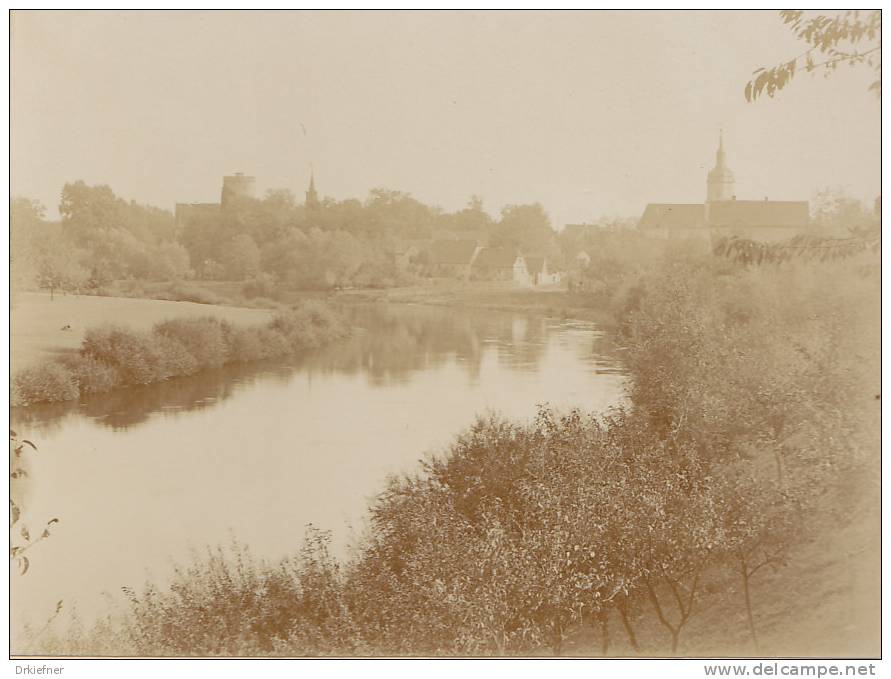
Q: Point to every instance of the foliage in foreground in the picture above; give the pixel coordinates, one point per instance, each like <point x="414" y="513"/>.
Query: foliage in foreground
<point x="753" y="427"/>
<point x="114" y="356"/>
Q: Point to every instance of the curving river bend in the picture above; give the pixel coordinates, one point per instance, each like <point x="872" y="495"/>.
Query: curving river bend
<point x="143" y="477"/>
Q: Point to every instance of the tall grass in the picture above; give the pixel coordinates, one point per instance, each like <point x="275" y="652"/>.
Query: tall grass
<point x="113" y="356"/>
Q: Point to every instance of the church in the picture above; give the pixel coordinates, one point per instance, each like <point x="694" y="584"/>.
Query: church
<point x="723" y="215"/>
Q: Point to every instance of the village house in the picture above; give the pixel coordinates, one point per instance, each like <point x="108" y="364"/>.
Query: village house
<point x="452" y="258"/>
<point x="540" y="272"/>
<point x="500" y="264"/>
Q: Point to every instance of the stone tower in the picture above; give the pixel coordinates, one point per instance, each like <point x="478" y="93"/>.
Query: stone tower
<point x="236" y="188"/>
<point x="312" y="198"/>
<point x="720" y="184"/>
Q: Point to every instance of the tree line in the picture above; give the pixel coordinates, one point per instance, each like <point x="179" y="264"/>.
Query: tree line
<point x="276" y="241"/>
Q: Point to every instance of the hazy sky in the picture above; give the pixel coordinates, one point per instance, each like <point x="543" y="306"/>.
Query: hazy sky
<point x="588" y="113"/>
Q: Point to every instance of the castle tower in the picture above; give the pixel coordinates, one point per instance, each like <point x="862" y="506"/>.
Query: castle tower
<point x="236" y="188"/>
<point x="312" y="198"/>
<point x="720" y="184"/>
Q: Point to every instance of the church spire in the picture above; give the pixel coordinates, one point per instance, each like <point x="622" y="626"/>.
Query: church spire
<point x="719" y="156"/>
<point x="720" y="184"/>
<point x="312" y="198"/>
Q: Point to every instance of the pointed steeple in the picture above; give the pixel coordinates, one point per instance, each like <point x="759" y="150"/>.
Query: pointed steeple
<point x="719" y="156"/>
<point x="312" y="198"/>
<point x="720" y="184"/>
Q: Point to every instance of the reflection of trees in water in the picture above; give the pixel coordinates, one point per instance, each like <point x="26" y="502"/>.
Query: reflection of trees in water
<point x="124" y="408"/>
<point x="606" y="352"/>
<point x="389" y="345"/>
<point x="522" y="341"/>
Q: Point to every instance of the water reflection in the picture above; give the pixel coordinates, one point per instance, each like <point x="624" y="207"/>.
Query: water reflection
<point x="141" y="476"/>
<point x="389" y="344"/>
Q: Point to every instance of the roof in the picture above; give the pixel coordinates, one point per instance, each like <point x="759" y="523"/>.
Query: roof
<point x="673" y="216"/>
<point x="404" y="245"/>
<point x="496" y="258"/>
<point x="452" y="251"/>
<point x="535" y="264"/>
<point x="767" y="213"/>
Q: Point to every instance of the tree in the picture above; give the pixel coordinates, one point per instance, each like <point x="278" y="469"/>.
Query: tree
<point x="89" y="211"/>
<point x="835" y="212"/>
<point x="525" y="227"/>
<point x="119" y="238"/>
<point x="171" y="261"/>
<point x="397" y="213"/>
<point x="472" y="218"/>
<point x="57" y="266"/>
<point x="852" y="37"/>
<point x="240" y="257"/>
<point x="26" y="226"/>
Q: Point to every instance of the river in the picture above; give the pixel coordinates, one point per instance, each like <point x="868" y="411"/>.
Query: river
<point x="145" y="477"/>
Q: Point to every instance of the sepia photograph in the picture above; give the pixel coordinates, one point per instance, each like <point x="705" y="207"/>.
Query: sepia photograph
<point x="445" y="334"/>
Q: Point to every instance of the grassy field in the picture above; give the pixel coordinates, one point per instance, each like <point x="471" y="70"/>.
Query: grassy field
<point x="37" y="322"/>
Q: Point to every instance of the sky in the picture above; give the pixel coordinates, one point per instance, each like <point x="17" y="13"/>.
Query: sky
<point x="589" y="113"/>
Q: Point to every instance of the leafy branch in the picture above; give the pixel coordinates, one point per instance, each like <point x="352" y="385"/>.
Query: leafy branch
<point x="840" y="39"/>
<point x="800" y="247"/>
<point x="16" y="471"/>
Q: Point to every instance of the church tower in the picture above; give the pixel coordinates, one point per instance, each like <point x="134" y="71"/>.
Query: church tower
<point x="720" y="185"/>
<point x="312" y="198"/>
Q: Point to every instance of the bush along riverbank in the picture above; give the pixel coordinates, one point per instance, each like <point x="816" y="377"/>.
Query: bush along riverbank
<point x="112" y="356"/>
<point x="716" y="515"/>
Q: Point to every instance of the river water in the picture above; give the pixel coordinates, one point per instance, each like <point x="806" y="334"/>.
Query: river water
<point x="143" y="478"/>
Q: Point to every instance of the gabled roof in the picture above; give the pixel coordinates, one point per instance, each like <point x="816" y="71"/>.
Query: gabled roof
<point x="496" y="258"/>
<point x="452" y="252"/>
<point x="789" y="213"/>
<point x="673" y="216"/>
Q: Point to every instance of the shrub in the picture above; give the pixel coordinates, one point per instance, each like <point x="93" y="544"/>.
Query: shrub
<point x="246" y="344"/>
<point x="203" y="338"/>
<point x="274" y="343"/>
<point x="112" y="356"/>
<point x="136" y="356"/>
<point x="262" y="285"/>
<point x="226" y="602"/>
<point x="92" y="375"/>
<point x="308" y="325"/>
<point x="176" y="360"/>
<point x="49" y="382"/>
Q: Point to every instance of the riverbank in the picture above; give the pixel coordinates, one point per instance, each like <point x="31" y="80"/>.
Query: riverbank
<point x="556" y="302"/>
<point x="113" y="354"/>
<point x="37" y="322"/>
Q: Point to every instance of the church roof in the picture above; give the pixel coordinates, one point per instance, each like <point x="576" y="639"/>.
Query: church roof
<point x="673" y="216"/>
<point x="753" y="213"/>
